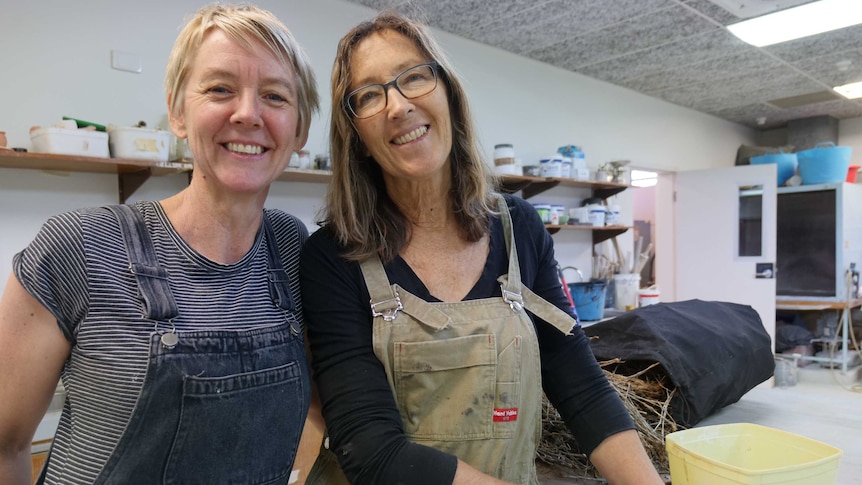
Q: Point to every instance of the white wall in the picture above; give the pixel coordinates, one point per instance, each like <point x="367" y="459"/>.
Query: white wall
<point x="56" y="58"/>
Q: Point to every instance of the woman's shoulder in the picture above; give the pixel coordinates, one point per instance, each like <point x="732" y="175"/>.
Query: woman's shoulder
<point x="521" y="210"/>
<point x="287" y="224"/>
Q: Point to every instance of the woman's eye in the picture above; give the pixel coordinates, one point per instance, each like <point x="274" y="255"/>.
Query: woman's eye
<point x="276" y="98"/>
<point x="366" y="98"/>
<point x="218" y="90"/>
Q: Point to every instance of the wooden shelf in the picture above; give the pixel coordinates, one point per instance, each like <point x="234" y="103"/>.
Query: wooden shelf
<point x="71" y="163"/>
<point x="307" y="176"/>
<point x="531" y="186"/>
<point x="131" y="174"/>
<point x="600" y="233"/>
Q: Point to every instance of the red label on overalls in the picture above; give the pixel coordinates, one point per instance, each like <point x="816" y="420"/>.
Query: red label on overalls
<point x="504" y="415"/>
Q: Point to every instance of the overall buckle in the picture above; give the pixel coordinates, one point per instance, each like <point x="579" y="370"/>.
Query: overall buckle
<point x="388" y="308"/>
<point x="515" y="300"/>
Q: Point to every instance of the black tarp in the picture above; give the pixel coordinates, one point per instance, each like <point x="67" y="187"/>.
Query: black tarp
<point x="713" y="352"/>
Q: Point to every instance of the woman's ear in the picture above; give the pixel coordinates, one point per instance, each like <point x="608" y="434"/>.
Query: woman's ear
<point x="176" y="120"/>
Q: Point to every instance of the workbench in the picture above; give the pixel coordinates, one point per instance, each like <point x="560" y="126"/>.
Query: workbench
<point x="823" y="305"/>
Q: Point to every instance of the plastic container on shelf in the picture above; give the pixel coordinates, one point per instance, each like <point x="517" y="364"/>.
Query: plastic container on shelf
<point x="552" y="166"/>
<point x="612" y="217"/>
<point x="139" y="143"/>
<point x="544" y="211"/>
<point x="744" y="453"/>
<point x="562" y="213"/>
<point x="504" y="154"/>
<point x="597" y="214"/>
<point x="70" y="141"/>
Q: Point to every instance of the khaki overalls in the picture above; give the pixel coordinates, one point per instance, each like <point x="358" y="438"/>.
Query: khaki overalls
<point x="466" y="375"/>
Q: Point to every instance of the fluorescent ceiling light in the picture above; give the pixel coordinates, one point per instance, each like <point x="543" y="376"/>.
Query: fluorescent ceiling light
<point x="850" y="91"/>
<point x="802" y="21"/>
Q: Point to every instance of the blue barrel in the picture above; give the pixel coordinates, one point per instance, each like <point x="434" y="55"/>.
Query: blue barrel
<point x="589" y="299"/>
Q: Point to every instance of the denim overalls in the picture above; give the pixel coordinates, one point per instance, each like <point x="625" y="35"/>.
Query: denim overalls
<point x="220" y="406"/>
<point x="466" y="375"/>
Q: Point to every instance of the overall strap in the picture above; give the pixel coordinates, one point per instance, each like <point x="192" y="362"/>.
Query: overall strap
<point x="515" y="293"/>
<point x="387" y="300"/>
<point x="279" y="283"/>
<point x="159" y="303"/>
<point x="510" y="283"/>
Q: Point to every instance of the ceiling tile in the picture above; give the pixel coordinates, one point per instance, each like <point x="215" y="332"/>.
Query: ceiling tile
<point x="826" y="68"/>
<point x="749" y="114"/>
<point x="462" y="17"/>
<point x="558" y="20"/>
<point x="691" y="50"/>
<point x="713" y="11"/>
<point x="733" y="66"/>
<point x="740" y="91"/>
<point x="818" y="45"/>
<point x="635" y="34"/>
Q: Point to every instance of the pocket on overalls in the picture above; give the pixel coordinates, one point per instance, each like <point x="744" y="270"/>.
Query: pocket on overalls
<point x="508" y="396"/>
<point x="230" y="433"/>
<point x="446" y="388"/>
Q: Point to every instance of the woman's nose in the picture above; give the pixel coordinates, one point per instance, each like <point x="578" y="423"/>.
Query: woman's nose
<point x="396" y="103"/>
<point x="247" y="110"/>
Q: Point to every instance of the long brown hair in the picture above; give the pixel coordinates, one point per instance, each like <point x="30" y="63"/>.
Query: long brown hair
<point x="358" y="208"/>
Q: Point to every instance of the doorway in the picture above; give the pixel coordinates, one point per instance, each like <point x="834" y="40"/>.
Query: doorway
<point x="644" y="220"/>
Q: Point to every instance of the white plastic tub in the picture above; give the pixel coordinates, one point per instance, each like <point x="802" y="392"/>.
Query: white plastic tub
<point x="65" y="141"/>
<point x="139" y="143"/>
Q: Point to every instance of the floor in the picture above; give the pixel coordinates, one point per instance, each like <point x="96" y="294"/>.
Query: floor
<point x="824" y="405"/>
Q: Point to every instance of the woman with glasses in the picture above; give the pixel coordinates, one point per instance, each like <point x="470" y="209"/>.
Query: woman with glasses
<point x="434" y="311"/>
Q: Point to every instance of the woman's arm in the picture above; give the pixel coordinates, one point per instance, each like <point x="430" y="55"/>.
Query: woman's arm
<point x="467" y="475"/>
<point x="572" y="378"/>
<point x="622" y="460"/>
<point x="32" y="353"/>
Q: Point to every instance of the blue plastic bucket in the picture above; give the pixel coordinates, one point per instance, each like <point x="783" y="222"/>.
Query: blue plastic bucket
<point x="823" y="164"/>
<point x="786" y="163"/>
<point x="589" y="299"/>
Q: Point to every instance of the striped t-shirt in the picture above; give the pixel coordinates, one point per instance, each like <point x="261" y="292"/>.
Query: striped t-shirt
<point x="78" y="268"/>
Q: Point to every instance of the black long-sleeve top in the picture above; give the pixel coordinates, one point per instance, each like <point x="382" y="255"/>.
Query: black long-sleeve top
<point x="363" y="422"/>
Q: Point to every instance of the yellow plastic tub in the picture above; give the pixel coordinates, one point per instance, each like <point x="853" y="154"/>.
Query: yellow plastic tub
<point x="743" y="453"/>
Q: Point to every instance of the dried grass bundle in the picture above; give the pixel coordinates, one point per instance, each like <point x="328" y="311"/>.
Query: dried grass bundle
<point x="646" y="394"/>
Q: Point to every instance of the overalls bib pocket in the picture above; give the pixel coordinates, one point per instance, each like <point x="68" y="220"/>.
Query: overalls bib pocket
<point x="445" y="389"/>
<point x="221" y="426"/>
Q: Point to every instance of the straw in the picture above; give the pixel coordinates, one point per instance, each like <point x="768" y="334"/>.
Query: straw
<point x="646" y="394"/>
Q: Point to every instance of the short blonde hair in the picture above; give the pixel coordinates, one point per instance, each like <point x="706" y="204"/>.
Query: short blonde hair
<point x="244" y="23"/>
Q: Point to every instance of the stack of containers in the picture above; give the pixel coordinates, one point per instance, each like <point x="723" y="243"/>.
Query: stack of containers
<point x="579" y="168"/>
<point x="786" y="163"/>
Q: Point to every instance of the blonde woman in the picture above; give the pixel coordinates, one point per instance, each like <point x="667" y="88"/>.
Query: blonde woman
<point x="175" y="325"/>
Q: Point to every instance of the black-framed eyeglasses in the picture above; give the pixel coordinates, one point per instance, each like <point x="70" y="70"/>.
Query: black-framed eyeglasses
<point x="369" y="100"/>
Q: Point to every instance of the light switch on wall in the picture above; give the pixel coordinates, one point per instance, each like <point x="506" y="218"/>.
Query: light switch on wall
<point x="126" y="61"/>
